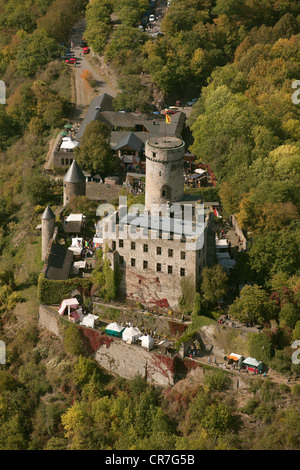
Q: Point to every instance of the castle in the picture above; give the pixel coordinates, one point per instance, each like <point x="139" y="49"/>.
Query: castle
<point x="161" y="248"/>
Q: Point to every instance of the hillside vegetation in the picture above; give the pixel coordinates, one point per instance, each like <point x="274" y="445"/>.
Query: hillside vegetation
<point x="240" y="57"/>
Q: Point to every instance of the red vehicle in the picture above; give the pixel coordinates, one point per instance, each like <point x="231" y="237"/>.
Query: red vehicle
<point x="85" y="50"/>
<point x="170" y="111"/>
<point x="72" y="60"/>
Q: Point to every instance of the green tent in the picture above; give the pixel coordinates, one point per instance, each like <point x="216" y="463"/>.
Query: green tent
<point x="114" y="329"/>
<point x="253" y="364"/>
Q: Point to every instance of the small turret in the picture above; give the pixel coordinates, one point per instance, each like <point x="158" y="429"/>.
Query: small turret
<point x="74" y="183"/>
<point x="48" y="223"/>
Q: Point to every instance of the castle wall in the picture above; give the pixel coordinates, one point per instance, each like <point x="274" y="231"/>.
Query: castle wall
<point x="127" y="360"/>
<point x="49" y="320"/>
<point x="116" y="356"/>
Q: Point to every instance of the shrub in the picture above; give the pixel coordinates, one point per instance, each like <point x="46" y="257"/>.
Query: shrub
<point x="72" y="340"/>
<point x="53" y="292"/>
<point x="296" y="390"/>
<point x="217" y="380"/>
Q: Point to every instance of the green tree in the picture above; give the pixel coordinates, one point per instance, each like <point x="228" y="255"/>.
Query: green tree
<point x="94" y="153"/>
<point x="253" y="306"/>
<point x="260" y="346"/>
<point x="84" y="369"/>
<point x="72" y="340"/>
<point x="214" y="284"/>
<point x="134" y="95"/>
<point x="35" y="51"/>
<point x="38" y="189"/>
<point x="289" y="315"/>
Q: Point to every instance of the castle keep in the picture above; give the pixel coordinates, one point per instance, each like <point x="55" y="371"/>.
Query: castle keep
<point x="164" y="247"/>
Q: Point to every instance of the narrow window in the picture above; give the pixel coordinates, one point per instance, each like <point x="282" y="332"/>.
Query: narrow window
<point x="182" y="272"/>
<point x="158" y="267"/>
<point x="145" y="264"/>
<point x="170" y="269"/>
<point x="132" y="262"/>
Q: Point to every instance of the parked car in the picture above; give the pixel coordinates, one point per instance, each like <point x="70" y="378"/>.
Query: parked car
<point x="85" y="50"/>
<point x="151" y="18"/>
<point x="72" y="60"/>
<point x="170" y="111"/>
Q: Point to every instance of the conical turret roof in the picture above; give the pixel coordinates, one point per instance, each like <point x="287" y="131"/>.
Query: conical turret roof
<point x="74" y="174"/>
<point x="48" y="214"/>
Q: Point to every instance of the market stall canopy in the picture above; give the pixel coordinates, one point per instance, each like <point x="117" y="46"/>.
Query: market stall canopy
<point x="147" y="341"/>
<point x="89" y="320"/>
<point x="97" y="242"/>
<point x="114" y="329"/>
<point x="68" y="144"/>
<point x="200" y="171"/>
<point x="76" y="246"/>
<point x="253" y="364"/>
<point x="70" y="303"/>
<point x="234" y="357"/>
<point x="131" y="334"/>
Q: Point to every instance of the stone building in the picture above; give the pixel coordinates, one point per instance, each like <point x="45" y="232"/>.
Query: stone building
<point x="164" y="169"/>
<point x="48" y="223"/>
<point x="161" y="250"/>
<point x="74" y="183"/>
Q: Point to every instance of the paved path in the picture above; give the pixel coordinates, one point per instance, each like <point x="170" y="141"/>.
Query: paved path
<point x="83" y="92"/>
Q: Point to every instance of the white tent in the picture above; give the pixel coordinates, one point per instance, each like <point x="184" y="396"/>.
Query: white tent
<point x="70" y="303"/>
<point x="77" y="266"/>
<point x="147" y="341"/>
<point x="68" y="144"/>
<point x="89" y="320"/>
<point x="131" y="334"/>
<point x="76" y="245"/>
<point x="200" y="171"/>
<point x="115" y="327"/>
<point x="75" y="218"/>
<point x="97" y="242"/>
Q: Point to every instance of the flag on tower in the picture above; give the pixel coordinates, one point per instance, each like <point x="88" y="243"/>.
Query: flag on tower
<point x="168" y="119"/>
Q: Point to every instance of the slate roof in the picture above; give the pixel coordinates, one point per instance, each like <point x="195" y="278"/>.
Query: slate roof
<point x="48" y="214"/>
<point x="165" y="224"/>
<point x="58" y="262"/>
<point x="130" y="140"/>
<point x="99" y="104"/>
<point x="74" y="174"/>
<point x="144" y="126"/>
<point x="73" y="226"/>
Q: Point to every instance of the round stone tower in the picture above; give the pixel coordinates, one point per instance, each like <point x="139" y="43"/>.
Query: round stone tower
<point x="48" y="223"/>
<point x="164" y="170"/>
<point x="74" y="183"/>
